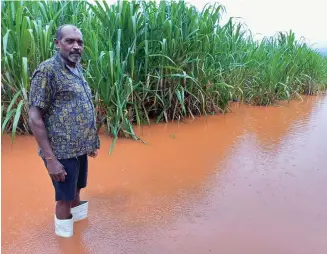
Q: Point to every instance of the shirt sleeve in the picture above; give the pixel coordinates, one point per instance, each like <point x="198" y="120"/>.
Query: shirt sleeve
<point x="41" y="89"/>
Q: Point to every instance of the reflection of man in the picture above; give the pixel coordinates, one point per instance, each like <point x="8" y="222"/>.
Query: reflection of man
<point x="62" y="119"/>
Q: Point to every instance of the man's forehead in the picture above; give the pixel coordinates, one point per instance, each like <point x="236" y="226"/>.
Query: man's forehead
<point x="70" y="31"/>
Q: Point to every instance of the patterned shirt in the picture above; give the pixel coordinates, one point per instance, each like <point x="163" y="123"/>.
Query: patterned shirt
<point x="70" y="115"/>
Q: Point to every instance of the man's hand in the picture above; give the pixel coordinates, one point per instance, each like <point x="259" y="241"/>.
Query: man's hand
<point x="56" y="170"/>
<point x="93" y="154"/>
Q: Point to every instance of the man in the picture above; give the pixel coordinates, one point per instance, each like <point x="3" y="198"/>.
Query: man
<point x="62" y="119"/>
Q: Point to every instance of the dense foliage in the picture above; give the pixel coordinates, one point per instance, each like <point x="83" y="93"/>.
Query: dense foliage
<point x="148" y="61"/>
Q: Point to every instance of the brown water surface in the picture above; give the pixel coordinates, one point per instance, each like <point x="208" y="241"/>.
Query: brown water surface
<point x="252" y="181"/>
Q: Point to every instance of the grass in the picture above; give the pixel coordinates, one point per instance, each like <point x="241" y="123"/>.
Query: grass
<point x="147" y="62"/>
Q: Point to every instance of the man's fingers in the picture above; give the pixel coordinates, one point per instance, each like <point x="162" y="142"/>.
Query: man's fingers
<point x="55" y="178"/>
<point x="93" y="154"/>
<point x="59" y="177"/>
<point x="62" y="175"/>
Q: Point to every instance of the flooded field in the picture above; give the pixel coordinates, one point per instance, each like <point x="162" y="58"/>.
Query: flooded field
<point x="253" y="181"/>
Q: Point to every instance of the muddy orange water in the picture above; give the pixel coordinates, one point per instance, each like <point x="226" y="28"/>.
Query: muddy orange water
<point x="251" y="181"/>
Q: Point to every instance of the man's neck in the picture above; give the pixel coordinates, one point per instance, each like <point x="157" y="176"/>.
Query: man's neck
<point x="74" y="70"/>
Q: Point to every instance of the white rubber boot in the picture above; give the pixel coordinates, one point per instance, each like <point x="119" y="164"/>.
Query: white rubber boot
<point x="64" y="228"/>
<point x="80" y="212"/>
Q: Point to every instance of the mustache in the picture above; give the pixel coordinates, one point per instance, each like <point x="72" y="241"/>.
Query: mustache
<point x="75" y="52"/>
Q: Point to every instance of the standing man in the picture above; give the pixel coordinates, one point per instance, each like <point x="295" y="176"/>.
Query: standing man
<point x="62" y="119"/>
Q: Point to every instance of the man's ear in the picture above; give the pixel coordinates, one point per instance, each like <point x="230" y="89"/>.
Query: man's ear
<point x="57" y="43"/>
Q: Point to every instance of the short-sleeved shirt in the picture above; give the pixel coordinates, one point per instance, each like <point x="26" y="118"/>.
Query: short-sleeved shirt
<point x="70" y="119"/>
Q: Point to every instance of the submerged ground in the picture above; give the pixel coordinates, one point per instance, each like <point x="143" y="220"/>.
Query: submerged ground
<point x="250" y="182"/>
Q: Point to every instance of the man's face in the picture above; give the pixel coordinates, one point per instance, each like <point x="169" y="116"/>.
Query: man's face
<point x="71" y="44"/>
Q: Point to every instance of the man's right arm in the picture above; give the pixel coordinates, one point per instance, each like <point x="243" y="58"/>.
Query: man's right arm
<point x="39" y="100"/>
<point x="38" y="128"/>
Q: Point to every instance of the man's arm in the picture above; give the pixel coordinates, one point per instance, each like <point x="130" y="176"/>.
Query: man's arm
<point x="39" y="100"/>
<point x="38" y="128"/>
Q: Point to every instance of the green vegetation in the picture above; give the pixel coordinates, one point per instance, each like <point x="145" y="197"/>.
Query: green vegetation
<point x="148" y="62"/>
